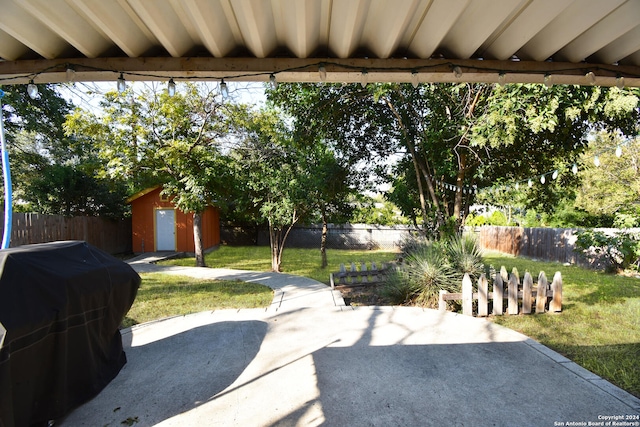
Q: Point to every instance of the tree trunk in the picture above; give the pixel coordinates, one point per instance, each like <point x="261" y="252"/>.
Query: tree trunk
<point x="323" y="241"/>
<point x="457" y="205"/>
<point x="197" y="239"/>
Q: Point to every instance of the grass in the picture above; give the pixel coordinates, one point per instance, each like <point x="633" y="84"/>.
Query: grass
<point x="301" y="262"/>
<point x="164" y="295"/>
<point x="599" y="327"/>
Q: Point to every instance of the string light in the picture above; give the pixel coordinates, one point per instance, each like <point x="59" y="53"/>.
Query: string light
<point x="502" y="77"/>
<point x="322" y="73"/>
<point x="171" y="87"/>
<point x="224" y="90"/>
<point x="574" y="169"/>
<point x="457" y="71"/>
<point x="122" y="85"/>
<point x="548" y="80"/>
<point x="530" y="183"/>
<point x="414" y="78"/>
<point x="555" y="174"/>
<point x="618" y="151"/>
<point x="272" y="82"/>
<point x="70" y="74"/>
<point x="596" y="161"/>
<point x="364" y="78"/>
<point x="591" y="78"/>
<point x="542" y="179"/>
<point x="32" y="90"/>
<point x="620" y="82"/>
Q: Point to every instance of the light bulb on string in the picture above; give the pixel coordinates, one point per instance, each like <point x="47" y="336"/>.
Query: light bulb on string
<point x="224" y="90"/>
<point x="272" y="82"/>
<point x="542" y="179"/>
<point x="517" y="185"/>
<point x="548" y="80"/>
<point x="457" y="71"/>
<point x="322" y="73"/>
<point x="414" y="79"/>
<point x="502" y="79"/>
<point x="70" y="74"/>
<point x="618" y="151"/>
<point x="596" y="161"/>
<point x="530" y="183"/>
<point x="122" y="85"/>
<point x="555" y="174"/>
<point x="574" y="168"/>
<point x="32" y="90"/>
<point x="364" y="78"/>
<point x="591" y="78"/>
<point x="171" y="87"/>
<point x="620" y="82"/>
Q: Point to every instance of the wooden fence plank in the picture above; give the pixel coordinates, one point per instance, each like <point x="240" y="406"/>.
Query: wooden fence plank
<point x="555" y="306"/>
<point x="498" y="294"/>
<point x="513" y="294"/>
<point x="483" y="294"/>
<point x="541" y="294"/>
<point x="467" y="295"/>
<point x="527" y="285"/>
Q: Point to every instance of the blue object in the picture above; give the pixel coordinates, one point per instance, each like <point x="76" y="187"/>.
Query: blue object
<point x="8" y="195"/>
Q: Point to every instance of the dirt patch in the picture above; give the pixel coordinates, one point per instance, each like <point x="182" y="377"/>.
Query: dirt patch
<point x="364" y="295"/>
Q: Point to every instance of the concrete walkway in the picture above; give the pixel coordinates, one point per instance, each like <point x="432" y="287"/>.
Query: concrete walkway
<point x="308" y="360"/>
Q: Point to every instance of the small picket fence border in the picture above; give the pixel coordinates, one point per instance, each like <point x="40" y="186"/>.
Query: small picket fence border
<point x="520" y="297"/>
<point x="355" y="278"/>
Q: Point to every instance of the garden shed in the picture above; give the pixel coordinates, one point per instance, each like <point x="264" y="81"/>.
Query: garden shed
<point x="157" y="225"/>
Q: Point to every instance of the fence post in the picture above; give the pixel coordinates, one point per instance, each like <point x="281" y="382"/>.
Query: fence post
<point x="498" y="295"/>
<point x="541" y="294"/>
<point x="363" y="268"/>
<point x="467" y="295"/>
<point x="513" y="294"/>
<point x="483" y="293"/>
<point x="442" y="304"/>
<point x="555" y="305"/>
<point x="354" y="279"/>
<point x="527" y="285"/>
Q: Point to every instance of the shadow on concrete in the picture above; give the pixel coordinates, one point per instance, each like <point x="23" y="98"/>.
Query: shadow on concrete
<point x="169" y="376"/>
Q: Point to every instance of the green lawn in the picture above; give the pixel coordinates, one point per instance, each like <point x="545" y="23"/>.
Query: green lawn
<point x="599" y="327"/>
<point x="164" y="295"/>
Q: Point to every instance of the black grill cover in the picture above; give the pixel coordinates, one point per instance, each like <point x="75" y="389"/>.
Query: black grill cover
<point x="61" y="305"/>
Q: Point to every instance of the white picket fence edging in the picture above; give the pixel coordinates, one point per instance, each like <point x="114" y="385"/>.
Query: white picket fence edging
<point x="520" y="297"/>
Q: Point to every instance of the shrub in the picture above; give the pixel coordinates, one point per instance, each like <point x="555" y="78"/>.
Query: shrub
<point x="620" y="250"/>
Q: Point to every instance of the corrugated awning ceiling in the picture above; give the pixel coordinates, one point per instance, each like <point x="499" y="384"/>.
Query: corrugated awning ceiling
<point x="392" y="40"/>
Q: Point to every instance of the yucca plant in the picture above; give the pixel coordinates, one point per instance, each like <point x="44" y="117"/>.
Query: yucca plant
<point x="465" y="256"/>
<point x="429" y="270"/>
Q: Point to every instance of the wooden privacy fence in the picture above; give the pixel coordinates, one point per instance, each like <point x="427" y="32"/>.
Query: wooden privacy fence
<point x="551" y="244"/>
<point x="521" y="297"/>
<point x="113" y="236"/>
<point x="355" y="278"/>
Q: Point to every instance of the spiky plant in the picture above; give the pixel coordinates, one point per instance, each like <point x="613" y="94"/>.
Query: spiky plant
<point x="465" y="255"/>
<point x="429" y="271"/>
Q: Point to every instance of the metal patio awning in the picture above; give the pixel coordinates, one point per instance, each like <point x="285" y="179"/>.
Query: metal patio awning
<point x="572" y="41"/>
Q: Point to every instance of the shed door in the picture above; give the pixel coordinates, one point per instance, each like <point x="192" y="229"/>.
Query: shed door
<point x="165" y="230"/>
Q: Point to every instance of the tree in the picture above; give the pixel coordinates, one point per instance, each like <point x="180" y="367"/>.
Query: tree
<point x="461" y="135"/>
<point x="151" y="137"/>
<point x="273" y="177"/>
<point x="52" y="172"/>
<point x="612" y="187"/>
